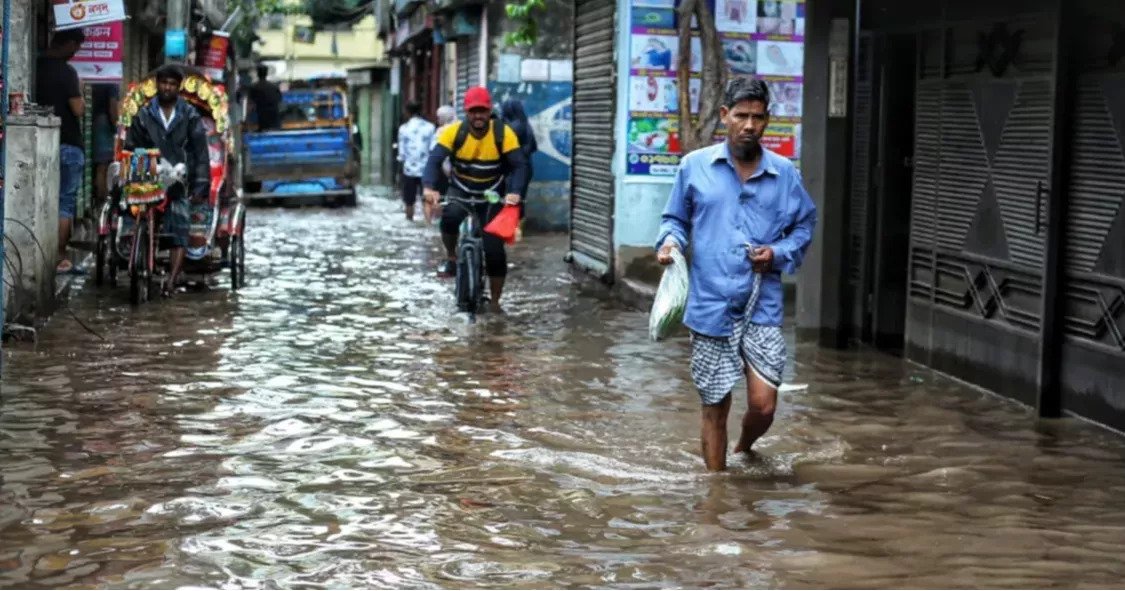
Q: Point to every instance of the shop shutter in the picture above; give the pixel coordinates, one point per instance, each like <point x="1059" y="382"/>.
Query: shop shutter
<point x="860" y="244"/>
<point x="468" y="68"/>
<point x="592" y="197"/>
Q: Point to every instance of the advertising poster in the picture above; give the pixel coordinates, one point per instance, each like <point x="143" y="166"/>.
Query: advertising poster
<point x="736" y="16"/>
<point x="548" y="106"/>
<point x="99" y="59"/>
<point x="761" y="39"/>
<point x="213" y="57"/>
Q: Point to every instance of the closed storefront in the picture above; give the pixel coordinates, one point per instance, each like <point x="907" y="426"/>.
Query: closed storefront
<point x="1092" y="375"/>
<point x="1010" y="187"/>
<point x="592" y="182"/>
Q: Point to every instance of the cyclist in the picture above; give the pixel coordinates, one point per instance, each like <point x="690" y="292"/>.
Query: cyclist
<point x="484" y="152"/>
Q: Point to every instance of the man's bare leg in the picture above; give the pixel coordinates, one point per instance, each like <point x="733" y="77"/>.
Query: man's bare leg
<point x="714" y="435"/>
<point x="761" y="400"/>
<point x="99" y="183"/>
<point x="496" y="289"/>
<point x="64" y="238"/>
<point x="450" y="243"/>
<point x="177" y="260"/>
<point x="410" y="213"/>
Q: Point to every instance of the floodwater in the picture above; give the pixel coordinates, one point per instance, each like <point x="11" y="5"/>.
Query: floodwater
<point x="334" y="425"/>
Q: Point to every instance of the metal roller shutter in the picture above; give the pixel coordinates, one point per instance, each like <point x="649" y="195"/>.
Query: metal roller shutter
<point x="592" y="201"/>
<point x="860" y="247"/>
<point x="468" y="68"/>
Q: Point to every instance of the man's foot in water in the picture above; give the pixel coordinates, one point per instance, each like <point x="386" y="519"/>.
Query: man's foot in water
<point x="447" y="270"/>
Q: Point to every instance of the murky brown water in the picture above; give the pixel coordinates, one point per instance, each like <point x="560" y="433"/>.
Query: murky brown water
<point x="334" y="426"/>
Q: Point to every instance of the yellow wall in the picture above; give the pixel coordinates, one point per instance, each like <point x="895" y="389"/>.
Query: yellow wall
<point x="361" y="44"/>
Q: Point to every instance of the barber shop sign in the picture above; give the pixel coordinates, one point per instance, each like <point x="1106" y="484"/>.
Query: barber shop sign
<point x="72" y="14"/>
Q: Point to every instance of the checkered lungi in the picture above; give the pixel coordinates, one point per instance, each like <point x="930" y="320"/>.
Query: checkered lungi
<point x="177" y="221"/>
<point x="717" y="363"/>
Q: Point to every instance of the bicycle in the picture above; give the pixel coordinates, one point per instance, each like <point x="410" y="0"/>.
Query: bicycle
<point x="469" y="286"/>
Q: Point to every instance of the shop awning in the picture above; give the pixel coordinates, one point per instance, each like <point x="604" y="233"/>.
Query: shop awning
<point x="337" y="12"/>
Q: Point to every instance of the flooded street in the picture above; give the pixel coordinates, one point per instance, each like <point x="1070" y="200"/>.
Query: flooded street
<point x="334" y="424"/>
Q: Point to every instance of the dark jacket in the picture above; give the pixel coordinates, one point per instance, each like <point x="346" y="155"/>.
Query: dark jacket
<point x="185" y="141"/>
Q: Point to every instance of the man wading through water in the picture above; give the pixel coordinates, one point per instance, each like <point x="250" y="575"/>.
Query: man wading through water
<point x="744" y="213"/>
<point x="174" y="126"/>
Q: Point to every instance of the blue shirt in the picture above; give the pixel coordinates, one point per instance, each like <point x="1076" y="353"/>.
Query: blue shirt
<point x="716" y="214"/>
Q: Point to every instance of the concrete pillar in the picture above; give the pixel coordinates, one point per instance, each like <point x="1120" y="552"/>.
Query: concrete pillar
<point x="21" y="48"/>
<point x="31" y="209"/>
<point x="822" y="310"/>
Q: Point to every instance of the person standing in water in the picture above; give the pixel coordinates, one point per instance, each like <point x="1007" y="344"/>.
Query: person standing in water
<point x="747" y="218"/>
<point x="415" y="140"/>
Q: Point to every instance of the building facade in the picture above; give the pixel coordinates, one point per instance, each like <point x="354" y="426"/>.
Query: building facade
<point x="967" y="160"/>
<point x="996" y="234"/>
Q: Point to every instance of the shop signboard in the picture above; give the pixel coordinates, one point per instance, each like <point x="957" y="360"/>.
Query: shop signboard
<point x="72" y="14"/>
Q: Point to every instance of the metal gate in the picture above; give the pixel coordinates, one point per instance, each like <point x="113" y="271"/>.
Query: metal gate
<point x="592" y="197"/>
<point x="984" y="170"/>
<point x="1091" y="376"/>
<point x="468" y="69"/>
<point x="860" y="247"/>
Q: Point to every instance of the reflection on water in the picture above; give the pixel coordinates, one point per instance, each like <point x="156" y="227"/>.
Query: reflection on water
<point x="334" y="426"/>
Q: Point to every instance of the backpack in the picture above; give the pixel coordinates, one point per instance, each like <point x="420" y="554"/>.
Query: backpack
<point x="498" y="131"/>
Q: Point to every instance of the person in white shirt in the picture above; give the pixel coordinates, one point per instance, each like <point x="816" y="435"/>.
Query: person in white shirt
<point x="414" y="140"/>
<point x="446" y="116"/>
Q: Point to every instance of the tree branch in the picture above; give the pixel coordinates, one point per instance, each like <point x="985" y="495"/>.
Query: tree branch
<point x="698" y="132"/>
<point x="688" y="131"/>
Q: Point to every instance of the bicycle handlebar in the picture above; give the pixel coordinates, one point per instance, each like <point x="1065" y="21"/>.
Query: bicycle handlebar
<point x="445" y="199"/>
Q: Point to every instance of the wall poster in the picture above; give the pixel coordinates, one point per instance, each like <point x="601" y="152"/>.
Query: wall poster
<point x="762" y="39"/>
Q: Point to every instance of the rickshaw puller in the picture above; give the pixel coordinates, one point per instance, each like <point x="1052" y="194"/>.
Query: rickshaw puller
<point x="174" y="126"/>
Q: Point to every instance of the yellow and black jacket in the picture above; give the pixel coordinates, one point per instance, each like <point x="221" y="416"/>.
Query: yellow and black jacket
<point x="479" y="164"/>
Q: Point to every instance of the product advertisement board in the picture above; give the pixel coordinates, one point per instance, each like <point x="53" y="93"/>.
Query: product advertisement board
<point x="761" y="39"/>
<point x="99" y="59"/>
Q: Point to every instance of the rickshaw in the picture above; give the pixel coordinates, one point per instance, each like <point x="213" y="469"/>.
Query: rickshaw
<point x="129" y="234"/>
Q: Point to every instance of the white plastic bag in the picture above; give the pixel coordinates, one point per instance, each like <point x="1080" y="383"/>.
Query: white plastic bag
<point x="671" y="298"/>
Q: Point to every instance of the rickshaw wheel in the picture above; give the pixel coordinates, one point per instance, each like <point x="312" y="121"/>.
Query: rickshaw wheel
<point x="237" y="262"/>
<point x="100" y="261"/>
<point x="111" y="258"/>
<point x="138" y="282"/>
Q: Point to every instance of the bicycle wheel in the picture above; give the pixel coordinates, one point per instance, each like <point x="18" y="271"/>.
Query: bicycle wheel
<point x="101" y="256"/>
<point x="139" y="264"/>
<point x="468" y="279"/>
<point x="113" y="258"/>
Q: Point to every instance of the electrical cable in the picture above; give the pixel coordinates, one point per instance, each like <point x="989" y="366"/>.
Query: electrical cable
<point x="42" y="250"/>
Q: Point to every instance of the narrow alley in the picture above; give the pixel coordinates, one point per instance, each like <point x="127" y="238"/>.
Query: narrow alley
<point x="335" y="424"/>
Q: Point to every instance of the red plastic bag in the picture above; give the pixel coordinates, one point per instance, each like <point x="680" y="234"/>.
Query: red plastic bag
<point x="504" y="225"/>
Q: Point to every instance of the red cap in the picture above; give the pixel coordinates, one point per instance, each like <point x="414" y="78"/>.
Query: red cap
<point x="477" y="97"/>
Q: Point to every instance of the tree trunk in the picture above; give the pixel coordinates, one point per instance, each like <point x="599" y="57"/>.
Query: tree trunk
<point x="698" y="133"/>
